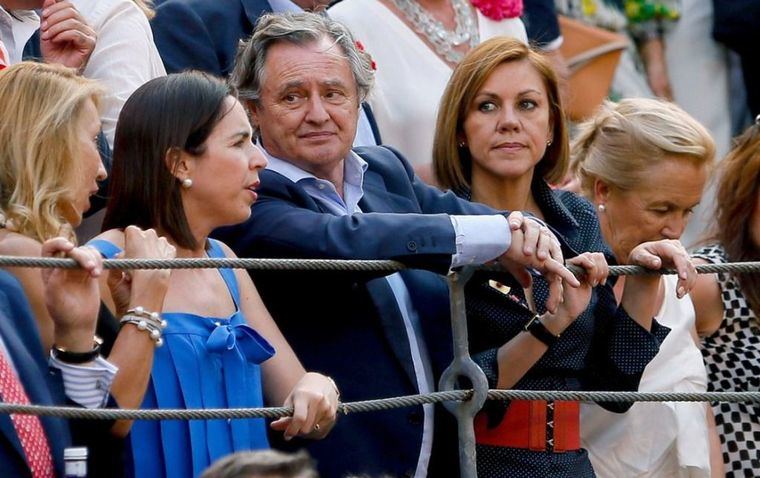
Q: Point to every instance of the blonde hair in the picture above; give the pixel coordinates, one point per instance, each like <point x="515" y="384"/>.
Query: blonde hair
<point x="452" y="164"/>
<point x="40" y="106"/>
<point x="622" y="141"/>
<point x="146" y="6"/>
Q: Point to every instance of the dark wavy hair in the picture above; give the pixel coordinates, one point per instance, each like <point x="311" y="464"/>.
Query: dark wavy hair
<point x="178" y="111"/>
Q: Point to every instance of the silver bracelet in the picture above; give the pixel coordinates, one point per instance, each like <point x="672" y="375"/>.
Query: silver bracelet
<point x="150" y="322"/>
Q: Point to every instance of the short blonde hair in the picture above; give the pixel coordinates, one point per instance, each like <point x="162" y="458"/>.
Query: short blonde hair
<point x="622" y="141"/>
<point x="452" y="164"/>
<point x="40" y="106"/>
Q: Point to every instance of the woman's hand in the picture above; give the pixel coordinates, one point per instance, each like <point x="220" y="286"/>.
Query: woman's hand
<point x="315" y="404"/>
<point x="576" y="300"/>
<point x="533" y="245"/>
<point x="641" y="292"/>
<point x="72" y="296"/>
<point x="143" y="287"/>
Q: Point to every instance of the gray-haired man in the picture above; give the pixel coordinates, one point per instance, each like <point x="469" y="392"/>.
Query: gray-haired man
<point x="303" y="79"/>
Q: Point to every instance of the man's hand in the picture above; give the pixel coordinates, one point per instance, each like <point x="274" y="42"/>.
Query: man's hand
<point x="72" y="296"/>
<point x="65" y="37"/>
<point x="535" y="246"/>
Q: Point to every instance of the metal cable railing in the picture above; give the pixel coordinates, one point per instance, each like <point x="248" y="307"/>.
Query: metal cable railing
<point x="465" y="404"/>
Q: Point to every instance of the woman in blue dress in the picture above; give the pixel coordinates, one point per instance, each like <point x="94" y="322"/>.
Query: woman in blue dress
<point x="184" y="164"/>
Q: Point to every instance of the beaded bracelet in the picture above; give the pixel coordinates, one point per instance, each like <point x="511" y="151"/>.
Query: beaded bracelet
<point x="150" y="322"/>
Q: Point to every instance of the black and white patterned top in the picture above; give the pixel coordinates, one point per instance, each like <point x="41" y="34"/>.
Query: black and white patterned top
<point x="604" y="349"/>
<point x="732" y="357"/>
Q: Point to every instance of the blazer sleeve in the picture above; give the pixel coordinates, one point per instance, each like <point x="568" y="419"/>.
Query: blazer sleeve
<point x="184" y="40"/>
<point x="414" y="227"/>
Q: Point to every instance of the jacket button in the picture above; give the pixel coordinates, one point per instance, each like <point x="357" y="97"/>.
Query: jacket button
<point x="416" y="417"/>
<point x="411" y="245"/>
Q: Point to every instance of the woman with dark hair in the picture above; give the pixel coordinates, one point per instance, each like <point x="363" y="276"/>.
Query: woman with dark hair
<point x="184" y="164"/>
<point x="501" y="140"/>
<point x="728" y="305"/>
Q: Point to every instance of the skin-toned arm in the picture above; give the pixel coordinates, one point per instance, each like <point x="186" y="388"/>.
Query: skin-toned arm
<point x="717" y="467"/>
<point x="520" y="354"/>
<point x="653" y="55"/>
<point x="31" y="280"/>
<point x="313" y="396"/>
<point x="707" y="303"/>
<point x="133" y="349"/>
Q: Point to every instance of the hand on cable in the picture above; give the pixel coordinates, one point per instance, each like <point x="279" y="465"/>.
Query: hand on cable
<point x="65" y="36"/>
<point x="315" y="405"/>
<point x="72" y="296"/>
<point x="641" y="291"/>
<point x="576" y="300"/>
<point x="535" y="246"/>
<point x="141" y="287"/>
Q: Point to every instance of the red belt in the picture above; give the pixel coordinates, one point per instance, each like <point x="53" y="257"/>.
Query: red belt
<point x="533" y="425"/>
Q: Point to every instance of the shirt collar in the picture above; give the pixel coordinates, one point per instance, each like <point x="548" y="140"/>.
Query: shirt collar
<point x="284" y="6"/>
<point x="354" y="168"/>
<point x="16" y="28"/>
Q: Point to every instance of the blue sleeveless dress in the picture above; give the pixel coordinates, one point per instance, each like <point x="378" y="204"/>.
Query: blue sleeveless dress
<point x="205" y="362"/>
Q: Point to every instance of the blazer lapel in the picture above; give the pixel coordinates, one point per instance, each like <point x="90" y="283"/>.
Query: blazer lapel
<point x="393" y="324"/>
<point x="33" y="373"/>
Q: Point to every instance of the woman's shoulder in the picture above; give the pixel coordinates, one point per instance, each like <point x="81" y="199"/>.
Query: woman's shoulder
<point x="114" y="236"/>
<point x="226" y="250"/>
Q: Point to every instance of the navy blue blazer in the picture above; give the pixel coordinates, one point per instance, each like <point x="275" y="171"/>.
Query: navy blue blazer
<point x="541" y="23"/>
<point x="349" y="325"/>
<point x="204" y="35"/>
<point x="43" y="384"/>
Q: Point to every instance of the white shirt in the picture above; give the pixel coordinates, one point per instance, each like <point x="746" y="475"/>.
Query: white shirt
<point x="125" y="56"/>
<point x="87" y="385"/>
<point x="15" y="32"/>
<point x="410" y="77"/>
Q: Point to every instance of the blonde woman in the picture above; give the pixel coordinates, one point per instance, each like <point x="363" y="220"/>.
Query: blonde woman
<point x="49" y="168"/>
<point x="644" y="164"/>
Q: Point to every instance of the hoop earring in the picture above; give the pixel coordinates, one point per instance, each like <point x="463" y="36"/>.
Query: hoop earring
<point x="187" y="183"/>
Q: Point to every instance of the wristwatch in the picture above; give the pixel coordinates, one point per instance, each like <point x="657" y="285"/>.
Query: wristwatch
<point x="67" y="356"/>
<point x="539" y="331"/>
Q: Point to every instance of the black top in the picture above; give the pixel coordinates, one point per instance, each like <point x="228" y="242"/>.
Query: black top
<point x="604" y="349"/>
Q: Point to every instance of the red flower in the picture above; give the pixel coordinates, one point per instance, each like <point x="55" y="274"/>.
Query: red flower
<point x="360" y="47"/>
<point x="499" y="9"/>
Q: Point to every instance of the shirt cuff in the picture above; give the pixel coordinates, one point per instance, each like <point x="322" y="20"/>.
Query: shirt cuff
<point x="87" y="385"/>
<point x="479" y="239"/>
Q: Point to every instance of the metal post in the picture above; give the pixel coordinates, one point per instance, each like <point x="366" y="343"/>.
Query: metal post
<point x="462" y="366"/>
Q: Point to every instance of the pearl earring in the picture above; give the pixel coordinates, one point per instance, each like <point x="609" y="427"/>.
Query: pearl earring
<point x="548" y="142"/>
<point x="187" y="183"/>
<point x="601" y="208"/>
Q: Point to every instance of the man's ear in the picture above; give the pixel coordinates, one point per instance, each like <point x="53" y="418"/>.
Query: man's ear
<point x="253" y="113"/>
<point x="179" y="163"/>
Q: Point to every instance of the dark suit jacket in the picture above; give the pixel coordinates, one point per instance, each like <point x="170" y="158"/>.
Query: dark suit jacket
<point x="43" y="385"/>
<point x="204" y="35"/>
<point x="349" y="325"/>
<point x="541" y="24"/>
